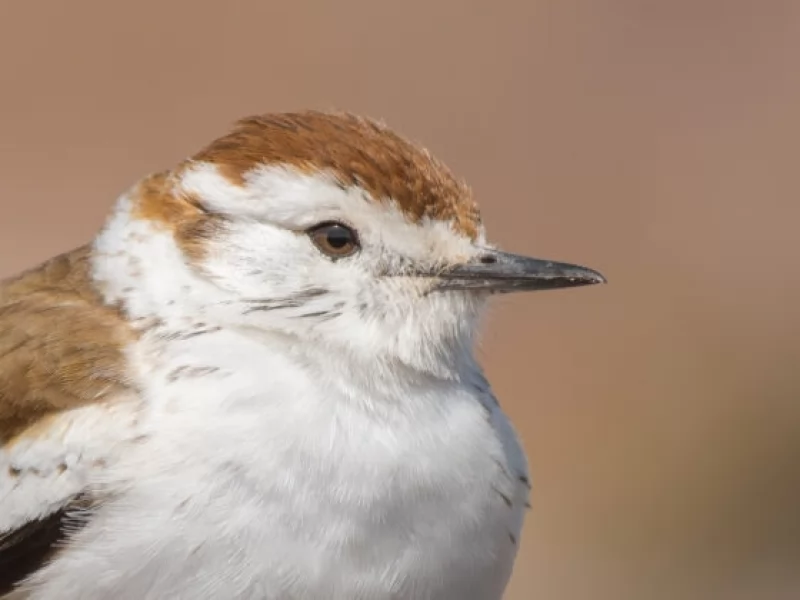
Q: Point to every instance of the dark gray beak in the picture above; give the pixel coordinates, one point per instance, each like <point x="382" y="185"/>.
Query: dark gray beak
<point x="496" y="271"/>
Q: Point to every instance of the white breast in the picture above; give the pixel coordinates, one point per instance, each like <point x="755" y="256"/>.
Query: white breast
<point x="259" y="475"/>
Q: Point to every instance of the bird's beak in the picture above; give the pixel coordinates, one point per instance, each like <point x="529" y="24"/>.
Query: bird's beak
<point x="496" y="271"/>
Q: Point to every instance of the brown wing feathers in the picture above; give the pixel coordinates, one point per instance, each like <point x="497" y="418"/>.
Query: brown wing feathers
<point x="60" y="348"/>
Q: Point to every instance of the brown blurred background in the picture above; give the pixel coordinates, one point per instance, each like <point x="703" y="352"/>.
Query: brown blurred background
<point x="656" y="141"/>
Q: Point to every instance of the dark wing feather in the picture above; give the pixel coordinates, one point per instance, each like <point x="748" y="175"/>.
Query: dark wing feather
<point x="25" y="550"/>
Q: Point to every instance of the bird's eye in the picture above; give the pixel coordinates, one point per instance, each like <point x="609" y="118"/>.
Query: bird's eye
<point x="334" y="239"/>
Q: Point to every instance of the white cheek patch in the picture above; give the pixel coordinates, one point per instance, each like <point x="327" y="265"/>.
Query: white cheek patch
<point x="139" y="264"/>
<point x="295" y="200"/>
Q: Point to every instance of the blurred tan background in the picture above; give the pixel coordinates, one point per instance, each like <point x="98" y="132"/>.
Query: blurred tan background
<point x="656" y="141"/>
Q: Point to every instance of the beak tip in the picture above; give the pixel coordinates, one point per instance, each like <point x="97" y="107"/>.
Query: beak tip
<point x="585" y="276"/>
<point x="599" y="278"/>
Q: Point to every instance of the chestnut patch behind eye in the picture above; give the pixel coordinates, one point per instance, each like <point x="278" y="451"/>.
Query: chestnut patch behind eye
<point x="335" y="240"/>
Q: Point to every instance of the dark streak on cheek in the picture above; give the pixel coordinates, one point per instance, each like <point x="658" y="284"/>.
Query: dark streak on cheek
<point x="312" y="293"/>
<point x="171" y="336"/>
<point x="187" y="371"/>
<point x="296" y="301"/>
<point x="268" y="305"/>
<point x="321" y="313"/>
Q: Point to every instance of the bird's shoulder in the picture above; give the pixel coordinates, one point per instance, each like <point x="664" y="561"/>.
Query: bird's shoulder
<point x="64" y="403"/>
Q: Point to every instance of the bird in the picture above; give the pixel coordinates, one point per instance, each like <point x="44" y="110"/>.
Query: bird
<point x="258" y="381"/>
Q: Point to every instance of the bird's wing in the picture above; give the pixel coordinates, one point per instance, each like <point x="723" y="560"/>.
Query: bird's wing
<point x="64" y="404"/>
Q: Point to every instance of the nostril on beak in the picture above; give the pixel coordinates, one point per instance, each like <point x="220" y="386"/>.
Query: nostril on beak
<point x="488" y="259"/>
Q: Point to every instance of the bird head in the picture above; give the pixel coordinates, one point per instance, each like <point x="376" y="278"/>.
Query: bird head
<point x="334" y="230"/>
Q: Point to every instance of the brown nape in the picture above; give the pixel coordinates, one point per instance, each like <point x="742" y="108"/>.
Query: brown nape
<point x="29" y="548"/>
<point x="356" y="151"/>
<point x="158" y="200"/>
<point x="60" y="347"/>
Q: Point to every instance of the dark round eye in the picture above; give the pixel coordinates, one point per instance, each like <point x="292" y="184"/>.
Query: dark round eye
<point x="334" y="239"/>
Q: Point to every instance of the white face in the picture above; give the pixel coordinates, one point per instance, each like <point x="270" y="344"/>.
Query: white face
<point x="370" y="301"/>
